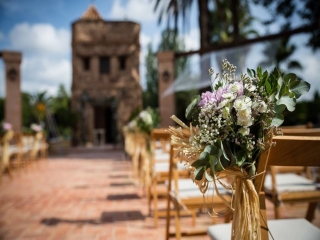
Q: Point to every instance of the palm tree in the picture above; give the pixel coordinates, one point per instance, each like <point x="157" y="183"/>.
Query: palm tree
<point x="40" y="101"/>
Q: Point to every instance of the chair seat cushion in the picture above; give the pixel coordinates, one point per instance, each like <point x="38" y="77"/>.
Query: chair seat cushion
<point x="188" y="189"/>
<point x="163" y="156"/>
<point x="164" y="166"/>
<point x="293" y="229"/>
<point x="290" y="182"/>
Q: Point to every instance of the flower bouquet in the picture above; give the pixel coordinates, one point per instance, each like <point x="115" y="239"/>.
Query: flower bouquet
<point x="229" y="128"/>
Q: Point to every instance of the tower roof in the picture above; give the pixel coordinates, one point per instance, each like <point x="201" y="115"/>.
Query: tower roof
<point x="91" y="14"/>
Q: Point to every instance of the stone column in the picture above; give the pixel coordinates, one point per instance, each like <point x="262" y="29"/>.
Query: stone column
<point x="13" y="111"/>
<point x="166" y="77"/>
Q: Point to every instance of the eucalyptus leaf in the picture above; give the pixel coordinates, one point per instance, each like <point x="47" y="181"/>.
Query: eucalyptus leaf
<point x="279" y="108"/>
<point x="299" y="87"/>
<point x="208" y="177"/>
<point x="241" y="157"/>
<point x="198" y="173"/>
<point x="277" y="120"/>
<point x="290" y="77"/>
<point x="192" y="106"/>
<point x="290" y="103"/>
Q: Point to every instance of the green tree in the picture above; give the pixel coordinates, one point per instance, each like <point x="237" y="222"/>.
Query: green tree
<point x="280" y="54"/>
<point x="28" y="112"/>
<point x="307" y="10"/>
<point x="61" y="112"/>
<point x="150" y="96"/>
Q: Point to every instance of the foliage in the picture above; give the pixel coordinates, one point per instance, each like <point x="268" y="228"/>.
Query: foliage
<point x="232" y="120"/>
<point x="277" y="54"/>
<point x="150" y="96"/>
<point x="307" y="10"/>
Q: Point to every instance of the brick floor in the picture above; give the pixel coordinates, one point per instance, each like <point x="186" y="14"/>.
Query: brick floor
<point x="86" y="195"/>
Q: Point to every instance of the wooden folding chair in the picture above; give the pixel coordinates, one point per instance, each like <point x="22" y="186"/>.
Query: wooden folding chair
<point x="288" y="151"/>
<point x="159" y="170"/>
<point x="186" y="195"/>
<point x="289" y="184"/>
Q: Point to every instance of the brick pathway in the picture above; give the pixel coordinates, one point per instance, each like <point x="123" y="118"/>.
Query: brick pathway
<point x="85" y="195"/>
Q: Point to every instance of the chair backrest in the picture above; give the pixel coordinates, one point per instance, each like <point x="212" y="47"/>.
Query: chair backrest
<point x="296" y="132"/>
<point x="160" y="138"/>
<point x="288" y="151"/>
<point x="301" y="132"/>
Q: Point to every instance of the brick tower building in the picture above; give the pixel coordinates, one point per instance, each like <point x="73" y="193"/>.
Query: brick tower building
<point x="105" y="77"/>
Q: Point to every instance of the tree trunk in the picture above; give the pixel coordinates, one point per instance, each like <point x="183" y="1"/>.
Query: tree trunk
<point x="204" y="24"/>
<point x="234" y="9"/>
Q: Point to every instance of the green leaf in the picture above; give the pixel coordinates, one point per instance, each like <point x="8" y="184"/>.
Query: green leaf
<point x="289" y="102"/>
<point x="279" y="108"/>
<point x="230" y="154"/>
<point x="277" y="120"/>
<point x="204" y="156"/>
<point x="198" y="173"/>
<point x="241" y="157"/>
<point x="259" y="72"/>
<point x="249" y="72"/>
<point x="268" y="88"/>
<point x="299" y="87"/>
<point x="192" y="106"/>
<point x="252" y="170"/>
<point x="208" y="177"/>
<point x="198" y="163"/>
<point x="212" y="160"/>
<point x="211" y="149"/>
<point x="290" y="77"/>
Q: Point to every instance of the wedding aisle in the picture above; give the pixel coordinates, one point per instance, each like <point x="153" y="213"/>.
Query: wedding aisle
<point x="87" y="195"/>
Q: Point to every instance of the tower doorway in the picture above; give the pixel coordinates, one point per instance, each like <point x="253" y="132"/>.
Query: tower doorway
<point x="104" y="125"/>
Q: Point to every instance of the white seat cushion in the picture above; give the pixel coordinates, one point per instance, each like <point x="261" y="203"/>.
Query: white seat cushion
<point x="290" y="182"/>
<point x="281" y="229"/>
<point x="163" y="156"/>
<point x="188" y="189"/>
<point x="164" y="166"/>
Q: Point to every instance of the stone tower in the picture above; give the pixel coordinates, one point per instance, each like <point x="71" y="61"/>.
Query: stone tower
<point x="105" y="77"/>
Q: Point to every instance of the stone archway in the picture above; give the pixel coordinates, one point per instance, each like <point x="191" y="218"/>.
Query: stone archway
<point x="13" y="110"/>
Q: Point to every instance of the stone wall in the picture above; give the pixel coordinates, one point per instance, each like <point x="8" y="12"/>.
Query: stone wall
<point x="95" y="39"/>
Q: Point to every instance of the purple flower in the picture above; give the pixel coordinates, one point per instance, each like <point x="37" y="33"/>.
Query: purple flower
<point x="207" y="98"/>
<point x="6" y="126"/>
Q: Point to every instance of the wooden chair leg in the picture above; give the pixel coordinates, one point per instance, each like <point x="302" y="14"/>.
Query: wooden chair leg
<point x="277" y="210"/>
<point x="194" y="217"/>
<point x="168" y="217"/>
<point x="177" y="220"/>
<point x="310" y="212"/>
<point x="155" y="203"/>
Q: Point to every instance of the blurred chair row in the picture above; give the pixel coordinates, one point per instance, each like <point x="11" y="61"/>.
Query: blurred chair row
<point x="21" y="150"/>
<point x="157" y="168"/>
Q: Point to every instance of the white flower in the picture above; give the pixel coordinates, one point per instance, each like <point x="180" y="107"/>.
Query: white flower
<point x="260" y="106"/>
<point x="244" y="131"/>
<point x="263" y="107"/>
<point x="223" y="103"/>
<point x="242" y="102"/>
<point x="234" y="88"/>
<point x="244" y="113"/>
<point x="244" y="122"/>
<point x="250" y="87"/>
<point x="228" y="95"/>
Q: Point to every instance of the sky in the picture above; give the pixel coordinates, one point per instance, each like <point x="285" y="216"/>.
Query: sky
<point x="41" y="30"/>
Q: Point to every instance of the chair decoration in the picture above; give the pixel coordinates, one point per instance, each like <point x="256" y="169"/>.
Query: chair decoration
<point x="229" y="128"/>
<point x="137" y="141"/>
